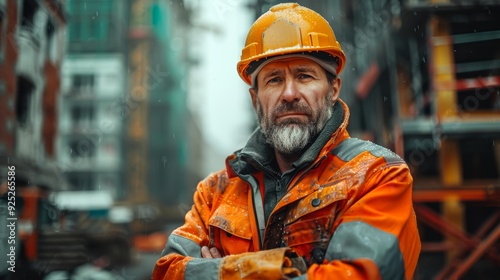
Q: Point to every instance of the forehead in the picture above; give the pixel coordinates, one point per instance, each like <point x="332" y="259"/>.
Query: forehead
<point x="291" y="63"/>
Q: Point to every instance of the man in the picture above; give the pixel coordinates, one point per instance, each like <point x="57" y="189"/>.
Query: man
<point x="301" y="199"/>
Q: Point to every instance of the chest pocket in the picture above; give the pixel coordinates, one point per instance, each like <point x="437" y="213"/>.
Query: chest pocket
<point x="229" y="229"/>
<point x="324" y="196"/>
<point x="309" y="223"/>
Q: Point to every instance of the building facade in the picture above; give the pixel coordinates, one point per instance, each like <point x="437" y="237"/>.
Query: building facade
<point x="91" y="130"/>
<point x="123" y="127"/>
<point x="94" y="83"/>
<point x="31" y="52"/>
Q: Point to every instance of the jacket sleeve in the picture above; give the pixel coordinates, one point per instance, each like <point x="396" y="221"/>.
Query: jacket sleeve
<point x="181" y="258"/>
<point x="376" y="235"/>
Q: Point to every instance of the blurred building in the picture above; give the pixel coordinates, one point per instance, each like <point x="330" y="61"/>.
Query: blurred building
<point x="123" y="127"/>
<point x="158" y="150"/>
<point x="31" y="52"/>
<point x="94" y="83"/>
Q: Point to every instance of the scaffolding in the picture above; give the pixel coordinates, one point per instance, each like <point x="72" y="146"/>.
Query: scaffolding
<point x="447" y="126"/>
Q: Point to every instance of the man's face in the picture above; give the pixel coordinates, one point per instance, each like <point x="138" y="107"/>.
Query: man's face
<point x="293" y="102"/>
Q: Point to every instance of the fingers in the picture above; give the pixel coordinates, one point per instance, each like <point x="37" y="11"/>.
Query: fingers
<point x="211" y="253"/>
<point x="205" y="253"/>
<point x="215" y="252"/>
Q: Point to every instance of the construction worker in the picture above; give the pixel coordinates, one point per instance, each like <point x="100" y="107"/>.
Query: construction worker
<point x="301" y="199"/>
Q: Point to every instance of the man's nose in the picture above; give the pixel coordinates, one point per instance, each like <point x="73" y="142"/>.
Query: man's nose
<point x="290" y="91"/>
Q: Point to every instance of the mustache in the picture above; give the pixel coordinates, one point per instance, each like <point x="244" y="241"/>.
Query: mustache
<point x="296" y="107"/>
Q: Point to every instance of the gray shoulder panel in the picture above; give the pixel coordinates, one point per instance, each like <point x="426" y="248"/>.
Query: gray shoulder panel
<point x="359" y="240"/>
<point x="352" y="147"/>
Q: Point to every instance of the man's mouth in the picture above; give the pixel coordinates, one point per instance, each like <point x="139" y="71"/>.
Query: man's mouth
<point x="292" y="117"/>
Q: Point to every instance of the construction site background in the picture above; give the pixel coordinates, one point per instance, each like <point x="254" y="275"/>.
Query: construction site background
<point x="105" y="106"/>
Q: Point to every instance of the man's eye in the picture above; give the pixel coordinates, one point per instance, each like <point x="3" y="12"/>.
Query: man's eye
<point x="273" y="80"/>
<point x="304" y="76"/>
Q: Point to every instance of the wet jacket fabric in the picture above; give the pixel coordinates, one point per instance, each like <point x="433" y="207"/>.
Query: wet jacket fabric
<point x="345" y="209"/>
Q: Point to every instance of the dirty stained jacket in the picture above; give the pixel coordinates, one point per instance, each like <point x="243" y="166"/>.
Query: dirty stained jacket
<point x="346" y="211"/>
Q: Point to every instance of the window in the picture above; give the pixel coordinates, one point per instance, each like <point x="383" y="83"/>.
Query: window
<point x="82" y="84"/>
<point x="91" y="22"/>
<point x="24" y="101"/>
<point x="3" y="29"/>
<point x="28" y="13"/>
<point x="82" y="181"/>
<point x="81" y="148"/>
<point x="82" y="115"/>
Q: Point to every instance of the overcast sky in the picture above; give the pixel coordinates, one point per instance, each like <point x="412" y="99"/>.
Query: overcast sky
<point x="216" y="92"/>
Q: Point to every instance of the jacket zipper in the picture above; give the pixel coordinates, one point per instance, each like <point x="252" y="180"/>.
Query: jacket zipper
<point x="279" y="186"/>
<point x="261" y="224"/>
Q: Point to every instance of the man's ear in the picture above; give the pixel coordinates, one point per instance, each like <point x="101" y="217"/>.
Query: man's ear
<point x="253" y="95"/>
<point x="336" y="85"/>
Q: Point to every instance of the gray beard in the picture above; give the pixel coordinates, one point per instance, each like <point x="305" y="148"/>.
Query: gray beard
<point x="292" y="136"/>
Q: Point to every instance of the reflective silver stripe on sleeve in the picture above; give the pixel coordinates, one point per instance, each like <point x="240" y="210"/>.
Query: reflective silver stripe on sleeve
<point x="202" y="269"/>
<point x="352" y="147"/>
<point x="197" y="268"/>
<point x="182" y="246"/>
<point x="358" y="240"/>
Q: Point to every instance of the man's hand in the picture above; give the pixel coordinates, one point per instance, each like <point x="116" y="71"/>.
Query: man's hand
<point x="211" y="253"/>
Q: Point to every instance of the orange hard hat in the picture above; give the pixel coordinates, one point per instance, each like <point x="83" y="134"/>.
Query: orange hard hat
<point x="285" y="29"/>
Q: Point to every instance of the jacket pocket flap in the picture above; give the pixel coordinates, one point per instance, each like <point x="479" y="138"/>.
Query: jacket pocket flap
<point x="233" y="220"/>
<point x="325" y="195"/>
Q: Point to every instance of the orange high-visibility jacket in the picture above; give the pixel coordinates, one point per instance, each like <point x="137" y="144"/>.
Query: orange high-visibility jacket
<point x="348" y="214"/>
